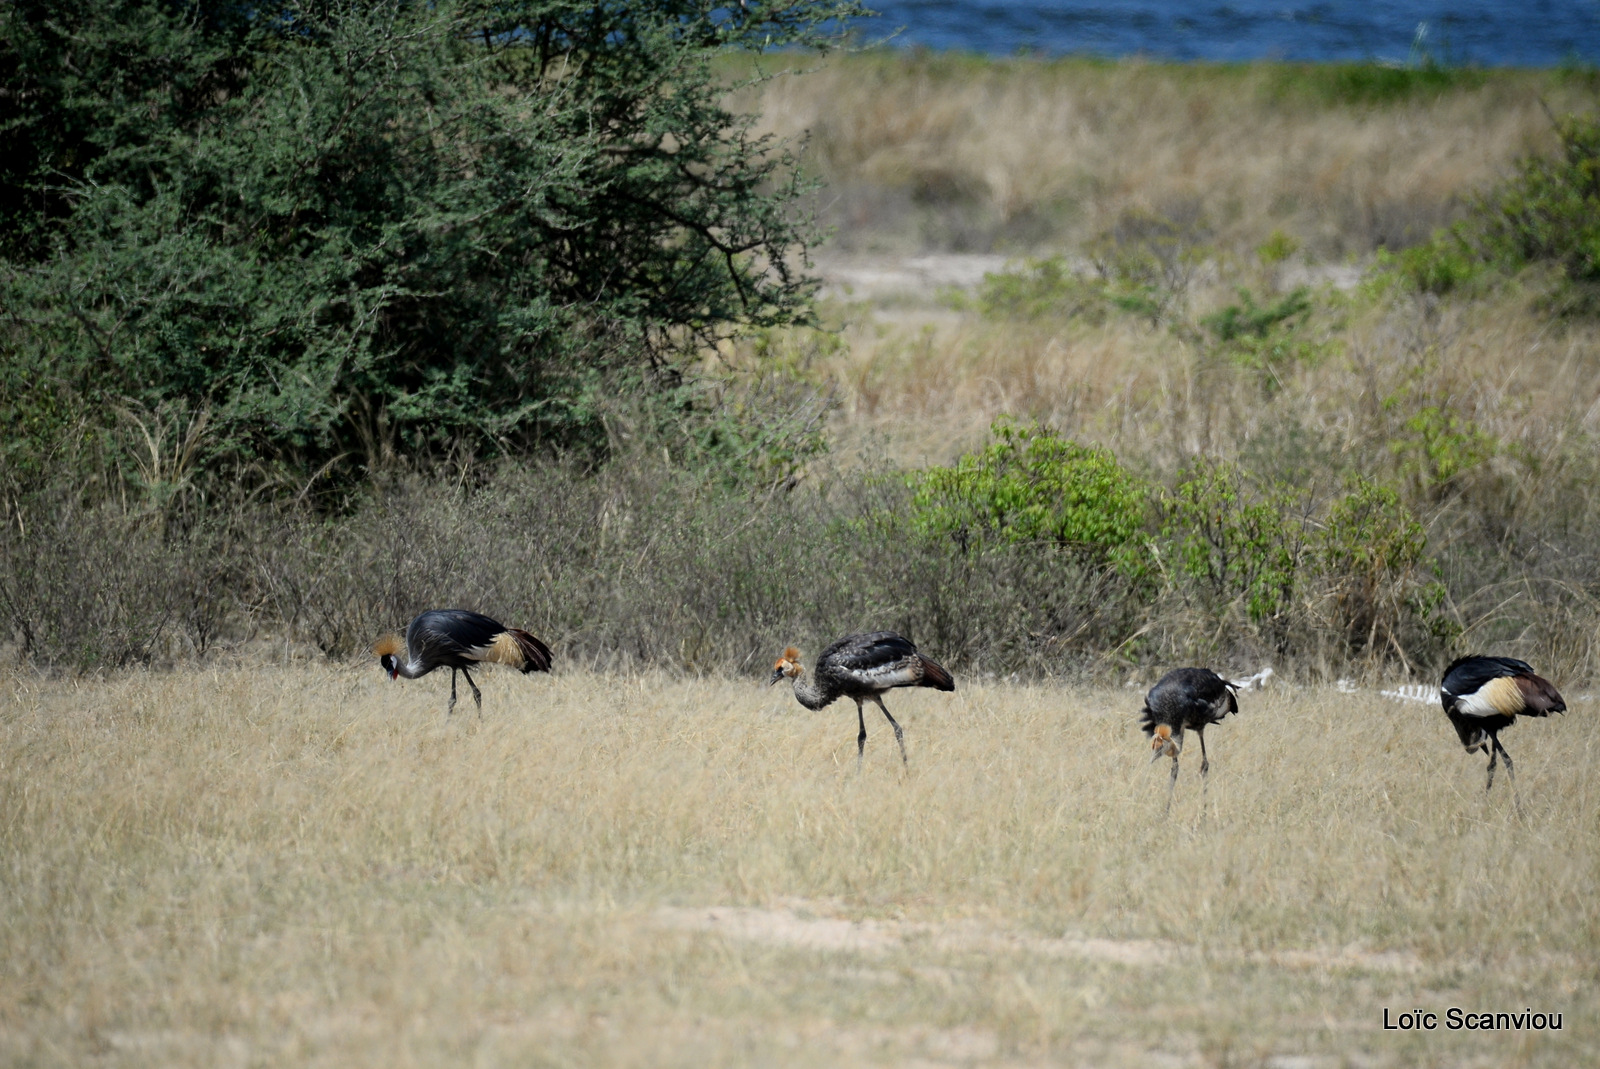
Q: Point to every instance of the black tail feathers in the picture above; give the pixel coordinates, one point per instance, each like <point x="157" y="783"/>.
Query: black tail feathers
<point x="535" y="654"/>
<point x="933" y="675"/>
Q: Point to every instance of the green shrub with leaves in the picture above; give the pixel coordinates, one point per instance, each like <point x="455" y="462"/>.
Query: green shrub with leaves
<point x="352" y="230"/>
<point x="1446" y="263"/>
<point x="1041" y="289"/>
<point x="1372" y="552"/>
<point x="1030" y="485"/>
<point x="1548" y="213"/>
<point x="1232" y="541"/>
<point x="1146" y="262"/>
<point x="1271" y="337"/>
<point x="1247" y="319"/>
<point x="1437" y="447"/>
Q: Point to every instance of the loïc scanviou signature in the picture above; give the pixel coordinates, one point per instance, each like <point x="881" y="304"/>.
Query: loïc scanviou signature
<point x="1457" y="1019"/>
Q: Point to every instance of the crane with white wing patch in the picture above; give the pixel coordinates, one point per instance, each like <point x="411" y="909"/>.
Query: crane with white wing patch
<point x="1483" y="696"/>
<point x="862" y="668"/>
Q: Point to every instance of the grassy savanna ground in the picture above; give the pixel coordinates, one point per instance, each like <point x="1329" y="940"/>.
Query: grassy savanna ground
<point x="308" y="865"/>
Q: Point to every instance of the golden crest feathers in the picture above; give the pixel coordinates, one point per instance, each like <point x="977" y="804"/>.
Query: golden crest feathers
<point x="504" y="650"/>
<point x="791" y="653"/>
<point x="390" y="645"/>
<point x="1163" y="731"/>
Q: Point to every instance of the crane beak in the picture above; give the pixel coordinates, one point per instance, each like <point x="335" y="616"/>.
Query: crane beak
<point x="777" y="674"/>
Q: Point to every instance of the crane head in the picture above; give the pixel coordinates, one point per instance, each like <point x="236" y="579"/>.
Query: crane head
<point x="1162" y="744"/>
<point x="387" y="648"/>
<point x="787" y="666"/>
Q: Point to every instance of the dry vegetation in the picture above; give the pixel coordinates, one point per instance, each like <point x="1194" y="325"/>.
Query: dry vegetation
<point x="308" y="865"/>
<point x="1273" y="179"/>
<point x="950" y="151"/>
<point x="1039" y="158"/>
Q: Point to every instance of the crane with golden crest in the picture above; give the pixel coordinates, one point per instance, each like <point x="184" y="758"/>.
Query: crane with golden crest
<point x="459" y="640"/>
<point x="862" y="668"/>
<point x="1185" y="699"/>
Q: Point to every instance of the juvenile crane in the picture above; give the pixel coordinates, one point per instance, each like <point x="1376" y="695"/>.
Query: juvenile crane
<point x="1185" y="699"/>
<point x="458" y="639"/>
<point x="862" y="667"/>
<point x="1482" y="696"/>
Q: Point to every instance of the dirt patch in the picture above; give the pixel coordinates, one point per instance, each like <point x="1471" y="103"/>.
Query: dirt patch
<point x="784" y="927"/>
<point x="875" y="277"/>
<point x="809" y="930"/>
<point x="812" y="929"/>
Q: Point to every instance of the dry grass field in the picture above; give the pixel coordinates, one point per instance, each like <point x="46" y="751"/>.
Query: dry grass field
<point x="309" y="865"/>
<point x="966" y="153"/>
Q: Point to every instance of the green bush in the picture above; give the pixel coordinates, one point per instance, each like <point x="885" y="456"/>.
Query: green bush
<point x="1267" y="338"/>
<point x="1249" y="320"/>
<point x="1372" y="553"/>
<point x="1232" y="541"/>
<point x="1548" y="213"/>
<point x="1146" y="261"/>
<point x="1437" y="448"/>
<point x="1045" y="288"/>
<point x="1029" y="485"/>
<point x="1446" y="263"/>
<point x="359" y="230"/>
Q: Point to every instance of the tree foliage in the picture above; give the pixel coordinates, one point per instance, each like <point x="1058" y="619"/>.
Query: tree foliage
<point x="357" y="229"/>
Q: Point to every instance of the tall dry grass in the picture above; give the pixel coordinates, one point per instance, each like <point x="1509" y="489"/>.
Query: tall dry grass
<point x="305" y="864"/>
<point x="951" y="151"/>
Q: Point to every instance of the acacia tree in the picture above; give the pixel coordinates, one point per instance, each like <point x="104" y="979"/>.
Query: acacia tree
<point x="353" y="228"/>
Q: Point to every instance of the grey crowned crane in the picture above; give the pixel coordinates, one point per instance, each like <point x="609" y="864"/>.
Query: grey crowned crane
<point x="862" y="668"/>
<point x="1185" y="699"/>
<point x="458" y="639"/>
<point x="1483" y="696"/>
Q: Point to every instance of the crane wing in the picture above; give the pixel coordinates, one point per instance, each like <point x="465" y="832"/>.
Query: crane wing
<point x="452" y="631"/>
<point x="867" y="652"/>
<point x="880" y="660"/>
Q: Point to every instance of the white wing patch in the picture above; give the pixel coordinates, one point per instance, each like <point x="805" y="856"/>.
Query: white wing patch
<point x="1498" y="697"/>
<point x="898" y="674"/>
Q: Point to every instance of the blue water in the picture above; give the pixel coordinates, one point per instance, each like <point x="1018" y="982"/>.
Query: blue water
<point x="1533" y="33"/>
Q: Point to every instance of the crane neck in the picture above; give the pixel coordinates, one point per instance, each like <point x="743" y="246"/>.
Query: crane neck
<point x="409" y="668"/>
<point x="811" y="695"/>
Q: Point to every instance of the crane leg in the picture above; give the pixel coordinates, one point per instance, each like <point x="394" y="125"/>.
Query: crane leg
<point x="1510" y="771"/>
<point x="1494" y="755"/>
<point x="1205" y="762"/>
<point x="861" y="739"/>
<point x="1516" y="799"/>
<point x="452" y="706"/>
<point x="899" y="736"/>
<point x="477" y="695"/>
<point x="1172" y="785"/>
